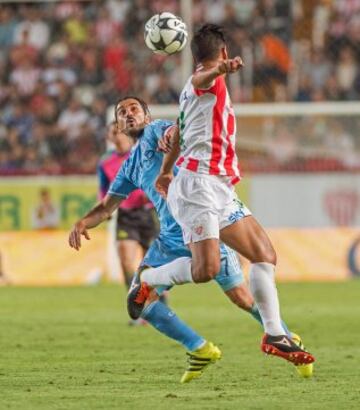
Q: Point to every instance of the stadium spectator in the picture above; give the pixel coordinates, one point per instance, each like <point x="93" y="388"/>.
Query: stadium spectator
<point x="23" y="51"/>
<point x="346" y="72"/>
<point x="118" y="9"/>
<point x="38" y="31"/>
<point x="77" y="28"/>
<point x="25" y="78"/>
<point x="304" y="89"/>
<point x="20" y="119"/>
<point x="57" y="70"/>
<point x="332" y="90"/>
<point x="66" y="9"/>
<point x="106" y="28"/>
<point x="7" y="27"/>
<point x="318" y="69"/>
<point x="46" y="214"/>
<point x="72" y="120"/>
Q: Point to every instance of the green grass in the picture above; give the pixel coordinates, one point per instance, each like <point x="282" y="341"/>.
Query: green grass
<point x="71" y="349"/>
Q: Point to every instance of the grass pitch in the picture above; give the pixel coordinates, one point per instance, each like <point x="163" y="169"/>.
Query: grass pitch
<point x="71" y="349"/>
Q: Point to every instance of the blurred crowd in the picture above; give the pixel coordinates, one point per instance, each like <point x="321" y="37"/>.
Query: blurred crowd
<point x="63" y="63"/>
<point x="310" y="143"/>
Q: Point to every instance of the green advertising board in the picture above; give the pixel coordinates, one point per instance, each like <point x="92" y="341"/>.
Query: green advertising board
<point x="26" y="202"/>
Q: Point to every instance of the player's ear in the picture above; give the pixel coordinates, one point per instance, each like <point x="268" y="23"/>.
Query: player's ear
<point x="147" y="119"/>
<point x="224" y="53"/>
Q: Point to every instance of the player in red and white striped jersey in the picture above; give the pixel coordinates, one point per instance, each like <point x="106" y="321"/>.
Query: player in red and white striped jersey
<point x="202" y="197"/>
<point x="208" y="128"/>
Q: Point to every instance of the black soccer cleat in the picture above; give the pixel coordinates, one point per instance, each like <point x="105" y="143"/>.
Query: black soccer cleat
<point x="137" y="295"/>
<point x="284" y="347"/>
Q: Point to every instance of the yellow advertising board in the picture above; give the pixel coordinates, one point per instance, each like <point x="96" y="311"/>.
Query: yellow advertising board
<point x="38" y="202"/>
<point x="44" y="257"/>
<point x="317" y="254"/>
<point x="327" y="254"/>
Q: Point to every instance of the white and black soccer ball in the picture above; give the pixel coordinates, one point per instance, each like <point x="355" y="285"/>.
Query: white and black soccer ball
<point x="165" y="33"/>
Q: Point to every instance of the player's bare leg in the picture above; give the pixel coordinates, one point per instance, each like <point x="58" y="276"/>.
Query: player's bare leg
<point x="205" y="260"/>
<point x="248" y="238"/>
<point x="241" y="297"/>
<point x="130" y="255"/>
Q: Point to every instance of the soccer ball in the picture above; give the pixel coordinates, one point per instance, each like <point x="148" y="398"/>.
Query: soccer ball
<point x="165" y="33"/>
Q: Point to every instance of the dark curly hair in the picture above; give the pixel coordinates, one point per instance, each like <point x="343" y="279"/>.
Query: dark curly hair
<point x="207" y="42"/>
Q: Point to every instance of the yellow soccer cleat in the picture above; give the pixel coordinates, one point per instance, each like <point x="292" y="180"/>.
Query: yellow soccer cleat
<point x="304" y="370"/>
<point x="199" y="360"/>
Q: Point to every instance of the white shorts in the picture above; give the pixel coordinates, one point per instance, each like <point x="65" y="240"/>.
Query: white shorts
<point x="204" y="204"/>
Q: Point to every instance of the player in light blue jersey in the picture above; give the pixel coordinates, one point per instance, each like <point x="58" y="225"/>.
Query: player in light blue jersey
<point x="140" y="170"/>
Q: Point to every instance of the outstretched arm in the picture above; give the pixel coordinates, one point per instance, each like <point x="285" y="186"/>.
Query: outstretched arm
<point x="204" y="78"/>
<point x="166" y="172"/>
<point x="93" y="218"/>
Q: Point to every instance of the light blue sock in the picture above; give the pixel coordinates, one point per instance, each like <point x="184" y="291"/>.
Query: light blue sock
<point x="165" y="321"/>
<point x="256" y="315"/>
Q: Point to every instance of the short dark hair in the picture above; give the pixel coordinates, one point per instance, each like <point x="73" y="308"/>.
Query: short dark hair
<point x="143" y="104"/>
<point x="207" y="42"/>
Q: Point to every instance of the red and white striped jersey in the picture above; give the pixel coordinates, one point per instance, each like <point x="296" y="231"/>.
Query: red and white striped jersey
<point x="207" y="131"/>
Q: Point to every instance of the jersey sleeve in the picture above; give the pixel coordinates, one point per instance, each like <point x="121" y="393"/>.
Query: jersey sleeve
<point x="104" y="182"/>
<point x="122" y="185"/>
<point x="159" y="127"/>
<point x="219" y="84"/>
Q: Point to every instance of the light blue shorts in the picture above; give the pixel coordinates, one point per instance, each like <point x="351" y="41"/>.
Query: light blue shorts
<point x="229" y="277"/>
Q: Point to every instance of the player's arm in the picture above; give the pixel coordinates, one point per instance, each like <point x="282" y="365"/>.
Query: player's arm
<point x="166" y="174"/>
<point x="104" y="182"/>
<point x="165" y="141"/>
<point x="120" y="188"/>
<point x="100" y="213"/>
<point x="204" y="79"/>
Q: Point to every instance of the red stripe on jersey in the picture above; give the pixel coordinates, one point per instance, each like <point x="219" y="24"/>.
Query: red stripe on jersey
<point x="218" y="112"/>
<point x="235" y="180"/>
<point x="192" y="164"/>
<point x="199" y="92"/>
<point x="230" y="152"/>
<point x="180" y="161"/>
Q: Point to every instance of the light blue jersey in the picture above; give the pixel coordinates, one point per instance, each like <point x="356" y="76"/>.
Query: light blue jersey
<point x="140" y="170"/>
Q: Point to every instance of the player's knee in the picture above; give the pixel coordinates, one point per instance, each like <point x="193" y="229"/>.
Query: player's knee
<point x="206" y="271"/>
<point x="270" y="255"/>
<point x="265" y="253"/>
